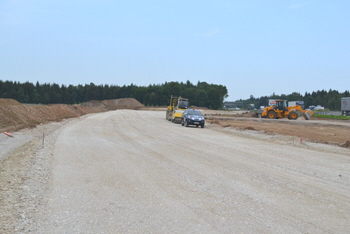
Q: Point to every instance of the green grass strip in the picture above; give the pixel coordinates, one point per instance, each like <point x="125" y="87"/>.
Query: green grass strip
<point x="331" y="116"/>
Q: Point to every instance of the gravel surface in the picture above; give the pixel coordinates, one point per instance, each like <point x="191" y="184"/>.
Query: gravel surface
<point x="25" y="162"/>
<point x="134" y="172"/>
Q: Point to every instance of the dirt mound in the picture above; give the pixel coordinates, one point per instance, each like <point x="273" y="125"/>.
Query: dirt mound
<point x="8" y="101"/>
<point x="94" y="103"/>
<point x="115" y="104"/>
<point x="124" y="103"/>
<point x="15" y="116"/>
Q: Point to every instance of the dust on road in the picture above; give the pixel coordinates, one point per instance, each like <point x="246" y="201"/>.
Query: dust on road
<point x="134" y="172"/>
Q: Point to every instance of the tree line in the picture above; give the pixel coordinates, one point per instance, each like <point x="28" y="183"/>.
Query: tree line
<point x="329" y="99"/>
<point x="201" y="94"/>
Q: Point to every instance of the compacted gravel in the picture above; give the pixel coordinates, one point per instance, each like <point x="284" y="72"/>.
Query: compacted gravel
<point x="129" y="171"/>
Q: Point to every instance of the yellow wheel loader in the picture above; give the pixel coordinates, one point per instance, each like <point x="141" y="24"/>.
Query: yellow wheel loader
<point x="282" y="110"/>
<point x="177" y="106"/>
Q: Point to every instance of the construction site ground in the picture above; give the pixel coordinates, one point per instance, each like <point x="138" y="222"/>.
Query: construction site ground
<point x="128" y="170"/>
<point x="15" y="116"/>
<point x="334" y="132"/>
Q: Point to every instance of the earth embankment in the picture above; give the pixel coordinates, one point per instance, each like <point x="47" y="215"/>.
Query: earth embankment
<point x="15" y="116"/>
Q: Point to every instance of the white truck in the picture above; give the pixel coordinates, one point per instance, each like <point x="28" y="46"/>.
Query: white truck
<point x="345" y="106"/>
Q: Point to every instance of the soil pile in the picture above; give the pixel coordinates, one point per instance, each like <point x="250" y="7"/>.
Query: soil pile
<point x="15" y="116"/>
<point x="115" y="104"/>
<point x="94" y="103"/>
<point x="8" y="101"/>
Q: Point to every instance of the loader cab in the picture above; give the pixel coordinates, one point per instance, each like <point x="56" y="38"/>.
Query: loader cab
<point x="281" y="104"/>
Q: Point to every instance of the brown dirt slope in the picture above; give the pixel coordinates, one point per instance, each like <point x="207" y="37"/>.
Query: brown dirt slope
<point x="15" y="116"/>
<point x="115" y="104"/>
<point x="8" y="101"/>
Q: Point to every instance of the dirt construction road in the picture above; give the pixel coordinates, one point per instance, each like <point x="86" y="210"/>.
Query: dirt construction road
<point x="131" y="171"/>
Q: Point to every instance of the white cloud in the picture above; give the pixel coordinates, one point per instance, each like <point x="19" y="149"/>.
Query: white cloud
<point x="296" y="6"/>
<point x="210" y="33"/>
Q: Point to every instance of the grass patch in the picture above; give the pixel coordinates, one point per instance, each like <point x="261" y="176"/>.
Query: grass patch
<point x="331" y="116"/>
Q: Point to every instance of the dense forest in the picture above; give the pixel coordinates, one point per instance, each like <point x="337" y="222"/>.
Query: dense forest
<point x="202" y="94"/>
<point x="328" y="99"/>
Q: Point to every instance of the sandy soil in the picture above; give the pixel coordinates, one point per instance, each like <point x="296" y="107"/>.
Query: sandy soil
<point x="129" y="171"/>
<point x="335" y="132"/>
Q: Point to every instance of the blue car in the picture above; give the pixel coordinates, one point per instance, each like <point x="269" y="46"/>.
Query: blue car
<point x="192" y="117"/>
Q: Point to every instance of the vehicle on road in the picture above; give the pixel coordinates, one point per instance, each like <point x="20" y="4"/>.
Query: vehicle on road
<point x="177" y="106"/>
<point x="192" y="117"/>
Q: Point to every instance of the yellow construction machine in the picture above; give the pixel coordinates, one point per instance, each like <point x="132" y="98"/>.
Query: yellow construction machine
<point x="177" y="106"/>
<point x="282" y="110"/>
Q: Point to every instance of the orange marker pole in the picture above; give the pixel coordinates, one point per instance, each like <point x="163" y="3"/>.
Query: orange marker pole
<point x="6" y="133"/>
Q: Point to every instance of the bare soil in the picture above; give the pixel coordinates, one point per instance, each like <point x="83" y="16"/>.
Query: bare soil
<point x="335" y="132"/>
<point x="15" y="116"/>
<point x="115" y="104"/>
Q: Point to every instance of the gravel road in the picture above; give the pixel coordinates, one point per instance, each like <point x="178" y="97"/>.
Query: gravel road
<point x="131" y="171"/>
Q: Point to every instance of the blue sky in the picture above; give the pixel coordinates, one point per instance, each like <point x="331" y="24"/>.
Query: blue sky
<point x="253" y="47"/>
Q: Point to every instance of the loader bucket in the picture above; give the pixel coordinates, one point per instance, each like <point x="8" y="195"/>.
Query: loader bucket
<point x="307" y="115"/>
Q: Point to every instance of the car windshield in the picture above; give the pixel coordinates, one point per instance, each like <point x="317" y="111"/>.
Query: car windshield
<point x="194" y="112"/>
